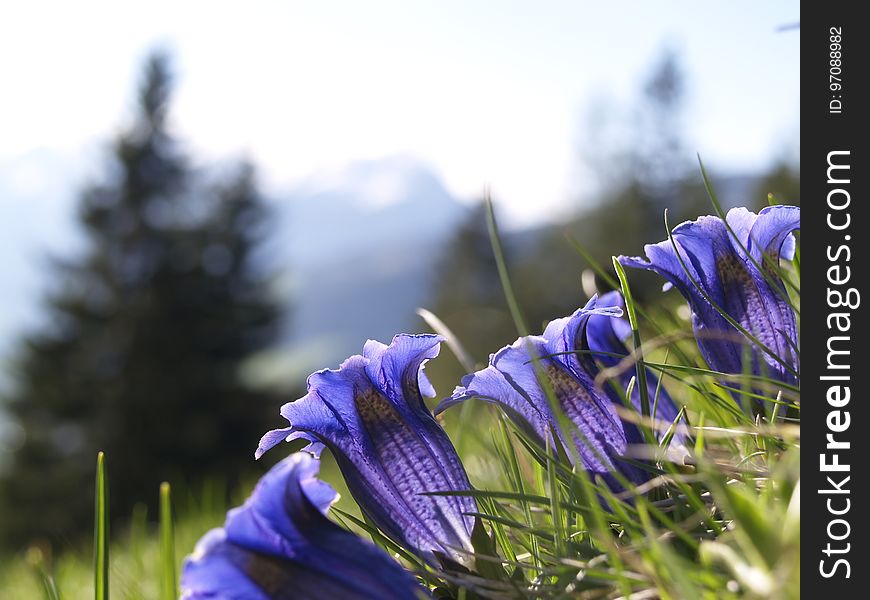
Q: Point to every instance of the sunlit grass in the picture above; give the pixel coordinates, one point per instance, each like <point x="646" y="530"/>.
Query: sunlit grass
<point x="721" y="521"/>
<point x="138" y="554"/>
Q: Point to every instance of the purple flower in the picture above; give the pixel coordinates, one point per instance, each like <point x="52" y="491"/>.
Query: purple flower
<point x="606" y="337"/>
<point x="601" y="438"/>
<point x="731" y="273"/>
<point x="371" y="415"/>
<point x="279" y="545"/>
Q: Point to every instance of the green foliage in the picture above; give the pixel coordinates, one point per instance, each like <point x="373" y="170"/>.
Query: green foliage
<point x="720" y="521"/>
<point x="145" y="557"/>
<point x="169" y="589"/>
<point x="722" y="524"/>
<point x="137" y="569"/>
<point x="101" y="531"/>
<point x="145" y="334"/>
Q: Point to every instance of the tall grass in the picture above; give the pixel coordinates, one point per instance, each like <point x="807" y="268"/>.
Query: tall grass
<point x="722" y="524"/>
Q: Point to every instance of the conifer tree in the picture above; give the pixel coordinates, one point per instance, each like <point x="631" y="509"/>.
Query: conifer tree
<point x="146" y="333"/>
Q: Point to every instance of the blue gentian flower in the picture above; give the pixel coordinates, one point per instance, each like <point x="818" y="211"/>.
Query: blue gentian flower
<point x="280" y="545"/>
<point x="601" y="437"/>
<point x="735" y="277"/>
<point x="606" y="337"/>
<point x="371" y="415"/>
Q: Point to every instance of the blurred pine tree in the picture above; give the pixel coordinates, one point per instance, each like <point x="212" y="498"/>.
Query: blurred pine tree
<point x="147" y="333"/>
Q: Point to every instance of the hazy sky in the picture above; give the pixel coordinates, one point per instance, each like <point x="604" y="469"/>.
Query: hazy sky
<point x="487" y="92"/>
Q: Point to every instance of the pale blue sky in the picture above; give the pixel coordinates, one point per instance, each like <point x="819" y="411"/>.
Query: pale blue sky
<point x="489" y="93"/>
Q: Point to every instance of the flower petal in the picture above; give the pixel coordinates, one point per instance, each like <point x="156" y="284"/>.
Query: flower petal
<point x="728" y="279"/>
<point x="391" y="451"/>
<point x="662" y="259"/>
<point x="606" y="335"/>
<point x="280" y="545"/>
<point x="490" y="385"/>
<point x="402" y="361"/>
<point x="599" y="436"/>
<point x="210" y="574"/>
<point x="771" y="232"/>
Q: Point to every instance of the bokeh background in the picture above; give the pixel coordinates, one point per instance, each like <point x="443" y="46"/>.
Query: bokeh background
<point x="202" y="202"/>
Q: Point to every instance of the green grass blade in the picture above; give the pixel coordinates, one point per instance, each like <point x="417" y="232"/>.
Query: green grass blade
<point x="501" y="264"/>
<point x="169" y="576"/>
<point x="377" y="537"/>
<point x="101" y="531"/>
<point x="512" y="470"/>
<point x="642" y="388"/>
<point x="612" y="282"/>
<point x="36" y="560"/>
<point x="501" y="538"/>
<point x="593" y="264"/>
<point x="556" y="512"/>
<point x="453" y="342"/>
<point x="49" y="587"/>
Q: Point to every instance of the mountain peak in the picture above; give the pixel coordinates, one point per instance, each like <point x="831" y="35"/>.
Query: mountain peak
<point x="377" y="183"/>
<point x="392" y="201"/>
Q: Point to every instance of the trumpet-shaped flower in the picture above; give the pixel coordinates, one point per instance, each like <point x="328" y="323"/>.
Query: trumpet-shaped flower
<point x="370" y="414"/>
<point x="560" y="357"/>
<point x="606" y="340"/>
<point x="280" y="544"/>
<point x="720" y="272"/>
